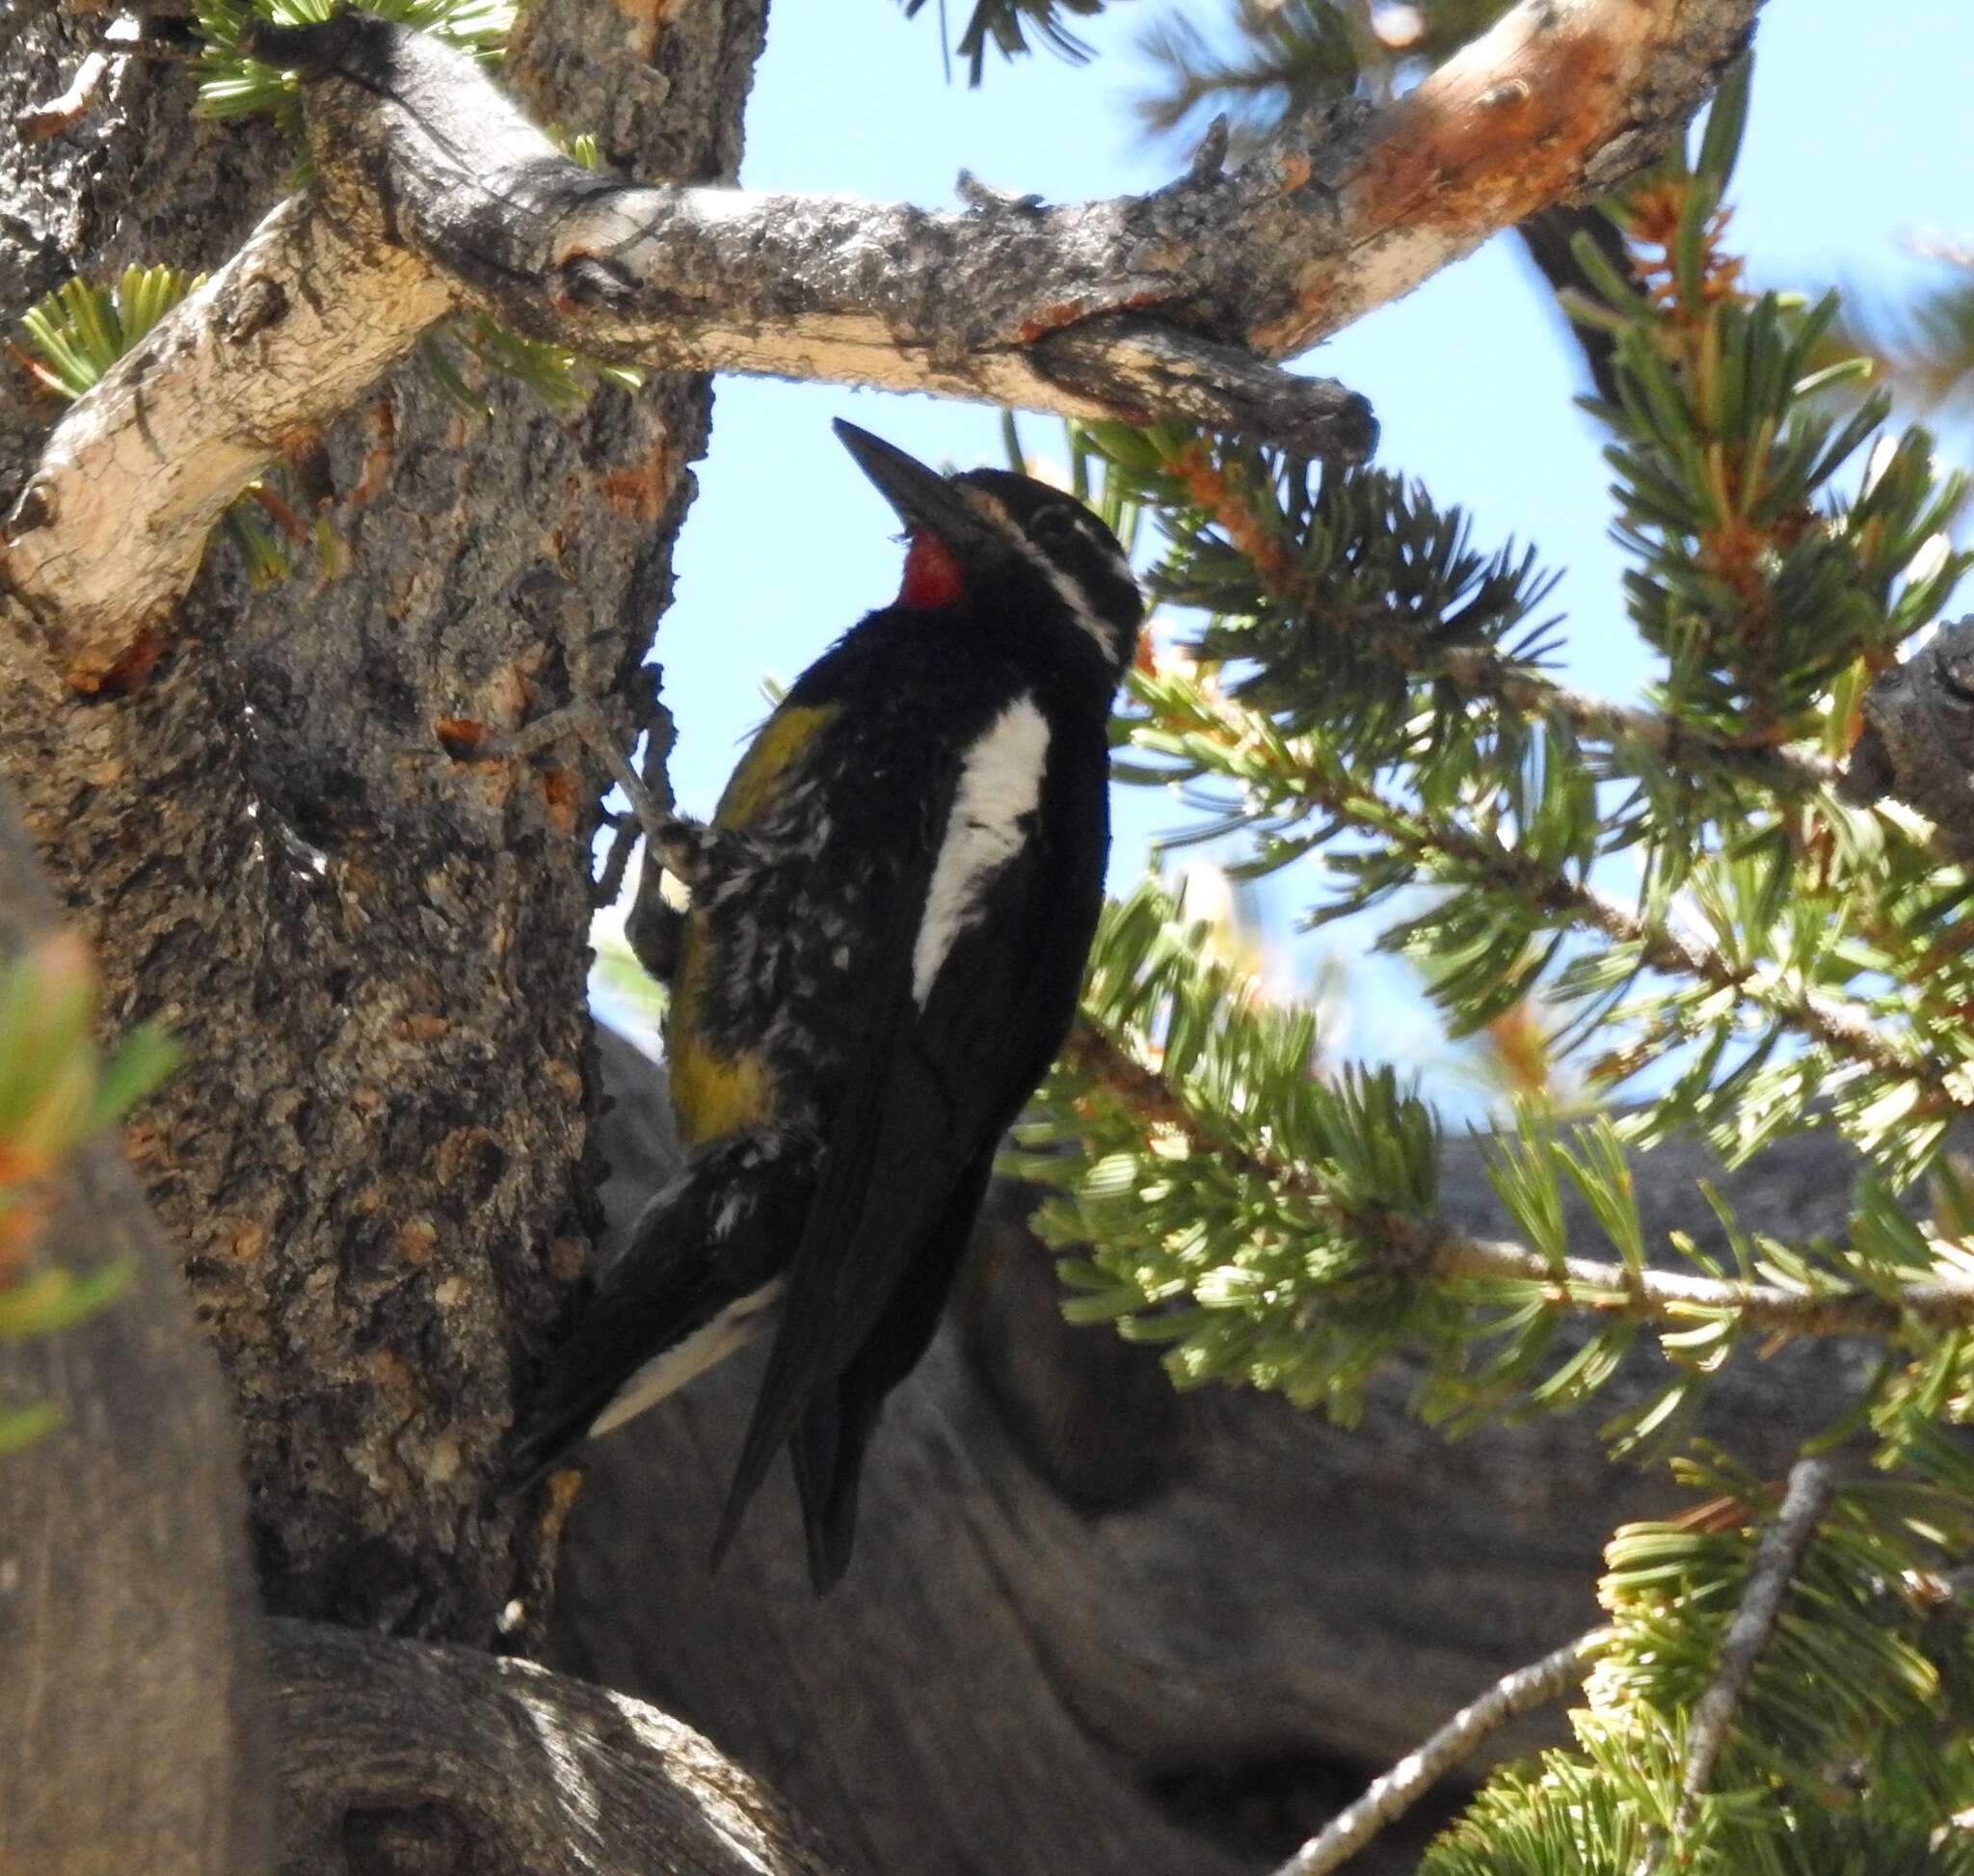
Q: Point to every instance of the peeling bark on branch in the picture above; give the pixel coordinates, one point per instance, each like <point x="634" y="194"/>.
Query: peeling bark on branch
<point x="980" y="302"/>
<point x="288" y="334"/>
<point x="401" y="1755"/>
<point x="1167" y="303"/>
<point x="1334" y="216"/>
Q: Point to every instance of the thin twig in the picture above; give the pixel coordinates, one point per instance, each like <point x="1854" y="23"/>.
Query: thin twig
<point x="1842" y="1027"/>
<point x="1830" y="1020"/>
<point x="1812" y="1483"/>
<point x="1582" y="1283"/>
<point x="1482" y="671"/>
<point x="1390" y="1797"/>
<point x="1777" y="1559"/>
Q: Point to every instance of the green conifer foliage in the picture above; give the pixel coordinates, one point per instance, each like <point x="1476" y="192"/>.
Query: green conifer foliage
<point x="1709" y="933"/>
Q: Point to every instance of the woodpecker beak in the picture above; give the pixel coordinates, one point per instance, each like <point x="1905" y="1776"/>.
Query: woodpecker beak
<point x="923" y="499"/>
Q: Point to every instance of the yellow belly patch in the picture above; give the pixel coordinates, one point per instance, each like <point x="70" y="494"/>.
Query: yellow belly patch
<point x="755" y="784"/>
<point x="715" y="1093"/>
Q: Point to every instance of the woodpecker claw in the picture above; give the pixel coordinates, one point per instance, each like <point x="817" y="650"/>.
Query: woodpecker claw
<point x="585" y="722"/>
<point x="1211" y="157"/>
<point x="686" y="850"/>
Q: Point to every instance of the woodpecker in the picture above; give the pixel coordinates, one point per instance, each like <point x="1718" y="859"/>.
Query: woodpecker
<point x="891" y="912"/>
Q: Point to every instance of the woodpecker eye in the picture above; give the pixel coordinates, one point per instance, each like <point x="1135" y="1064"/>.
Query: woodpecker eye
<point x="1055" y="527"/>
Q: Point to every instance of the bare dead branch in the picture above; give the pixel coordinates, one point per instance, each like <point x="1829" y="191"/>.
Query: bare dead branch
<point x="1777" y="1559"/>
<point x="1390" y="1797"/>
<point x="1166" y="303"/>
<point x="113" y="523"/>
<point x="1007" y="300"/>
<point x="506" y="1766"/>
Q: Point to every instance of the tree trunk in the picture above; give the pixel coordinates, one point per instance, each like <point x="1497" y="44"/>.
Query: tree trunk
<point x="376" y="1167"/>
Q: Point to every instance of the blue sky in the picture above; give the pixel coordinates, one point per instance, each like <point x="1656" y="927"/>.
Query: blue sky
<point x="1848" y="153"/>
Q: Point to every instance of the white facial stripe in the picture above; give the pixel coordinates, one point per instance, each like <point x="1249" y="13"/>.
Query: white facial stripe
<point x="690" y="1357"/>
<point x="1080" y="609"/>
<point x="1072" y="595"/>
<point x="1001" y="783"/>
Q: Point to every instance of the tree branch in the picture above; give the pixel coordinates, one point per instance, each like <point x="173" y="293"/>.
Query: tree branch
<point x="1844" y="1025"/>
<point x="1653" y="1296"/>
<point x="1582" y="1285"/>
<point x="1918" y="739"/>
<point x="1482" y="672"/>
<point x="484" y="1764"/>
<point x="294" y="328"/>
<point x="1390" y="1797"/>
<point x="1166" y="303"/>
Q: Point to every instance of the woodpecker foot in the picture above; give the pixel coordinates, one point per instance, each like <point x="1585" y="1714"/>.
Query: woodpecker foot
<point x="582" y="721"/>
<point x="688" y="849"/>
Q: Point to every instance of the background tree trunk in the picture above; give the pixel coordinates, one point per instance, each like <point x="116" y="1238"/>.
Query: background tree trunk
<point x="375" y="958"/>
<point x="130" y="1664"/>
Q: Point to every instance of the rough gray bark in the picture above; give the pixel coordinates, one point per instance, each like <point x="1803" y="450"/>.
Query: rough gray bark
<point x="1918" y="739"/>
<point x="399" y="1756"/>
<point x="376" y="1170"/>
<point x="1118" y="1608"/>
<point x="131" y="1723"/>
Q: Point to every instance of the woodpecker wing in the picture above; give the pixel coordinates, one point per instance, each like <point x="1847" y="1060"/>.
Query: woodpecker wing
<point x="960" y="1017"/>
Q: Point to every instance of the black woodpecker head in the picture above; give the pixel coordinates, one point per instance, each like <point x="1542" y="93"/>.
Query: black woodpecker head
<point x="1005" y="545"/>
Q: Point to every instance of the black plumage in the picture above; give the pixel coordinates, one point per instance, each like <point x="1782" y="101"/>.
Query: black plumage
<point x="882" y="957"/>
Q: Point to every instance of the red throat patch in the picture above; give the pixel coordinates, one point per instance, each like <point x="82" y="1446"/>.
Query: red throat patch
<point x="932" y="575"/>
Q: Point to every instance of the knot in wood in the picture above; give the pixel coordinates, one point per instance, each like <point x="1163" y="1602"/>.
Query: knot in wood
<point x="38" y="507"/>
<point x="590" y="280"/>
<point x="261" y="303"/>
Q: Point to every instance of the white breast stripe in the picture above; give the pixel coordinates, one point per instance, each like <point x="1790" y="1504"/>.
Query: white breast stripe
<point x="1001" y="784"/>
<point x="734" y="1327"/>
